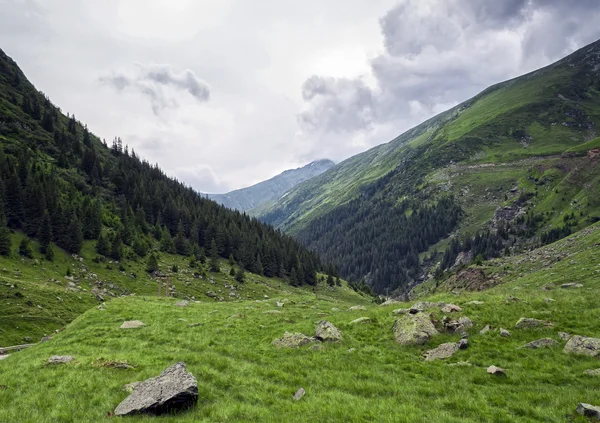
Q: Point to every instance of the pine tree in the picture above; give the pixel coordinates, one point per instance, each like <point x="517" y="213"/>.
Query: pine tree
<point x="140" y="247"/>
<point x="330" y="280"/>
<point x="25" y="248"/>
<point x="214" y="257"/>
<point x="74" y="236"/>
<point x="240" y="276"/>
<point x="45" y="233"/>
<point x="152" y="264"/>
<point x="182" y="245"/>
<point x="258" y="266"/>
<point x="232" y="271"/>
<point x="231" y="260"/>
<point x="5" y="240"/>
<point x="102" y="246"/>
<point x="116" y="247"/>
<point x="49" y="253"/>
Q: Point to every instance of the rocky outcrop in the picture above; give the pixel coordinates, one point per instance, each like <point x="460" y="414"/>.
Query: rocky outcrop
<point x="174" y="390"/>
<point x="414" y="329"/>
<point x="583" y="346"/>
<point x="327" y="332"/>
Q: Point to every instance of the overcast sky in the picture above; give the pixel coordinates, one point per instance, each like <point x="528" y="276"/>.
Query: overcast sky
<point x="226" y="93"/>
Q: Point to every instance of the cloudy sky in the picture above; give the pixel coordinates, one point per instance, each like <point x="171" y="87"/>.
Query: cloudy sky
<point x="226" y="93"/>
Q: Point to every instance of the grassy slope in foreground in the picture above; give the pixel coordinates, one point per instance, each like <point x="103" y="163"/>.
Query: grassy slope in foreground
<point x="242" y="377"/>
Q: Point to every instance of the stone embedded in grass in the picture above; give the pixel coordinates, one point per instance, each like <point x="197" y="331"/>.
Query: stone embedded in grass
<point x="132" y="324"/>
<point x="3" y="356"/>
<point x="112" y="364"/>
<point x="541" y="343"/>
<point x="272" y="312"/>
<point x="486" y="329"/>
<point x="390" y="301"/>
<point x="496" y="371"/>
<point x="174" y="390"/>
<point x="451" y="308"/>
<point x="529" y="323"/>
<point x="475" y="302"/>
<point x="413" y="329"/>
<point x="183" y="303"/>
<point x="60" y="359"/>
<point x="279" y="304"/>
<point x="583" y="346"/>
<point x="443" y="351"/>
<point x="361" y="320"/>
<point x="513" y="299"/>
<point x="463" y="344"/>
<point x="292" y="340"/>
<point x="327" y="332"/>
<point x="464" y="324"/>
<point x="571" y="285"/>
<point x="564" y="336"/>
<point x="299" y="394"/>
<point x="357" y="308"/>
<point x="590" y="372"/>
<point x="588" y="410"/>
<point x="505" y="333"/>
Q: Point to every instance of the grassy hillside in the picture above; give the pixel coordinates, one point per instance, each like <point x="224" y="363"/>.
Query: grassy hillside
<point x="365" y="377"/>
<point x="526" y="143"/>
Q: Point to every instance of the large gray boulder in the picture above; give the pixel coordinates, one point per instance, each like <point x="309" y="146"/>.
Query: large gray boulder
<point x="583" y="346"/>
<point x="589" y="410"/>
<point x="174" y="390"/>
<point x="441" y="352"/>
<point x="292" y="340"/>
<point x="326" y="331"/>
<point x="413" y="329"/>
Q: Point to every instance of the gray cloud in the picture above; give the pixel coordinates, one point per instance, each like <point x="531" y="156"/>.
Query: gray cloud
<point x="438" y="53"/>
<point x="151" y="80"/>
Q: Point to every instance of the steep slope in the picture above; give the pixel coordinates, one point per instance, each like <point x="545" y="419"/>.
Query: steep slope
<point x="367" y="376"/>
<point x="256" y="197"/>
<point x="526" y="144"/>
<point x="67" y="190"/>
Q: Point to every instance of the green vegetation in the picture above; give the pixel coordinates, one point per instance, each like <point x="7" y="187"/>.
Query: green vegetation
<point x="243" y="377"/>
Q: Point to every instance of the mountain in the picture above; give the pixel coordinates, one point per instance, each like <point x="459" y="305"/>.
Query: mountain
<point x="65" y="196"/>
<point x="254" y="198"/>
<point x="513" y="167"/>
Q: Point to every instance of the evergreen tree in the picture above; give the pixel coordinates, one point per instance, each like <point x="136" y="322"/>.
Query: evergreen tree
<point x="232" y="271"/>
<point x="182" y="245"/>
<point x="102" y="246"/>
<point x="214" y="257"/>
<point x="116" y="247"/>
<point x="258" y="266"/>
<point x="25" y="248"/>
<point x="45" y="233"/>
<point x="14" y="201"/>
<point x="140" y="247"/>
<point x="231" y="260"/>
<point x="330" y="280"/>
<point x="240" y="276"/>
<point x="152" y="264"/>
<point x="74" y="236"/>
<point x="5" y="239"/>
<point x="49" y="253"/>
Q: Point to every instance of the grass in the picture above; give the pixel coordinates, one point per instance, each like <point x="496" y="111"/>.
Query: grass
<point x="242" y="377"/>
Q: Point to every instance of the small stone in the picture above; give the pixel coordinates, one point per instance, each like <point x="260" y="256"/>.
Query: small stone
<point x="183" y="303"/>
<point x="357" y="308"/>
<point x="351" y="350"/>
<point x="132" y="324"/>
<point x="272" y="312"/>
<point x="60" y="359"/>
<point x="463" y="344"/>
<point x="549" y="300"/>
<point x="541" y="343"/>
<point x="505" y="333"/>
<point x="334" y="309"/>
<point x="279" y="304"/>
<point x="361" y="320"/>
<point x="486" y="329"/>
<point x="443" y="351"/>
<point x="193" y="325"/>
<point x="299" y="394"/>
<point x="451" y="308"/>
<point x="326" y="331"/>
<point x="45" y="339"/>
<point x="475" y="302"/>
<point x="401" y="311"/>
<point x="27" y="339"/>
<point x="513" y="299"/>
<point x="496" y="371"/>
<point x="588" y="410"/>
<point x="594" y="372"/>
<point x="571" y="285"/>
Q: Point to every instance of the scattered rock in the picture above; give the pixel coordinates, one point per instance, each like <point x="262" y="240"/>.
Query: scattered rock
<point x="588" y="410"/>
<point x="357" y="308"/>
<point x="424" y="305"/>
<point x="463" y="344"/>
<point x="211" y="294"/>
<point x="413" y="329"/>
<point x="513" y="299"/>
<point x="475" y="302"/>
<point x="132" y="324"/>
<point x="505" y="333"/>
<point x="583" y="346"/>
<point x="443" y="351"/>
<point x="60" y="359"/>
<point x="3" y="356"/>
<point x="361" y="320"/>
<point x="175" y="389"/>
<point x="464" y="324"/>
<point x="529" y="323"/>
<point x="292" y="340"/>
<point x="571" y="285"/>
<point x="272" y="312"/>
<point x="112" y="364"/>
<point x="541" y="343"/>
<point x="460" y="363"/>
<point x="564" y="336"/>
<point x="299" y="394"/>
<point x="595" y="372"/>
<point x="183" y="303"/>
<point x="279" y="304"/>
<point x="486" y="329"/>
<point x="451" y="308"/>
<point x="326" y="331"/>
<point x="496" y="371"/>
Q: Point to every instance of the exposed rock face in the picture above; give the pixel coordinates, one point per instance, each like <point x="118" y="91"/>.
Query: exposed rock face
<point x="589" y="410"/>
<point x="496" y="371"/>
<point x="441" y="352"/>
<point x="60" y="359"/>
<point x="529" y="323"/>
<point x="583" y="346"/>
<point x="326" y="331"/>
<point x="132" y="324"/>
<point x="471" y="279"/>
<point x="361" y="320"/>
<point x="292" y="340"/>
<point x="541" y="343"/>
<point x="413" y="329"/>
<point x="175" y="389"/>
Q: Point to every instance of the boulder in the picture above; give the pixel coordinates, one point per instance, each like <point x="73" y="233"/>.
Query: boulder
<point x="583" y="346"/>
<point x="357" y="308"/>
<point x="174" y="390"/>
<point x="299" y="394"/>
<point x="589" y="410"/>
<point x="443" y="351"/>
<point x="132" y="324"/>
<point x="390" y="301"/>
<point x="413" y="329"/>
<point x="529" y="323"/>
<point x="541" y="343"/>
<point x="60" y="359"/>
<point x="361" y="320"/>
<point x="451" y="308"/>
<point x="424" y="305"/>
<point x="326" y="331"/>
<point x="496" y="371"/>
<point x="292" y="340"/>
<point x="595" y="372"/>
<point x="505" y="333"/>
